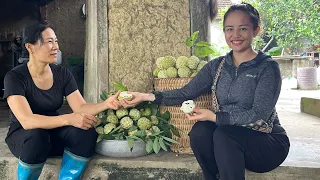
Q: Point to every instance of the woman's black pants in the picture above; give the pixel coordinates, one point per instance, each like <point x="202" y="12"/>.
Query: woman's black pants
<point x="36" y="145"/>
<point x="226" y="151"/>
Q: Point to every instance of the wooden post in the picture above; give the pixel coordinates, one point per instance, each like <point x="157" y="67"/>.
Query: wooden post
<point x="96" y="55"/>
<point x="199" y="18"/>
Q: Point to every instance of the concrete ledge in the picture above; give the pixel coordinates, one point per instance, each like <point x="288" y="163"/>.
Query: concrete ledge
<point x="302" y="163"/>
<point x="310" y="106"/>
<point x="162" y="166"/>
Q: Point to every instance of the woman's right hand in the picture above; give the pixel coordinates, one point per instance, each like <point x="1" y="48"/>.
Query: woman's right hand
<point x="137" y="98"/>
<point x="83" y="120"/>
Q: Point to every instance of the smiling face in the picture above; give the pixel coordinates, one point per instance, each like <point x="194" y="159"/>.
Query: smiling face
<point x="239" y="31"/>
<point x="45" y="50"/>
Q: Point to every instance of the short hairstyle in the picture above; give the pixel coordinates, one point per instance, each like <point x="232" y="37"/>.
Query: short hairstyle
<point x="31" y="34"/>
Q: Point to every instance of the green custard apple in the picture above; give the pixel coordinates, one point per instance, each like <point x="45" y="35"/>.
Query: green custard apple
<point x="144" y="123"/>
<point x="126" y="122"/>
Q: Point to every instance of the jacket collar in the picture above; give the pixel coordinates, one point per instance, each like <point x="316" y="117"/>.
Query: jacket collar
<point x="260" y="56"/>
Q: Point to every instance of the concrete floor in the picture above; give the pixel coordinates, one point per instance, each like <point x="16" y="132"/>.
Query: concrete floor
<point x="302" y="129"/>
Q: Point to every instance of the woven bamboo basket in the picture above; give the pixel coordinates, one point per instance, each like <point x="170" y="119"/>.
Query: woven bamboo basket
<point x="178" y="118"/>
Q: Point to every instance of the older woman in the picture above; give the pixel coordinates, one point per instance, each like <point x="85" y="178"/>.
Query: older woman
<point x="35" y="91"/>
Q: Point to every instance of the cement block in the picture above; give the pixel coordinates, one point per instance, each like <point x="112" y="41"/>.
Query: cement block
<point x="310" y="106"/>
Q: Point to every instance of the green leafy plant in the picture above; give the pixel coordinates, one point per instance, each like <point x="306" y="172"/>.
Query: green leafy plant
<point x="201" y="48"/>
<point x="258" y="43"/>
<point x="143" y="122"/>
<point x="293" y="23"/>
<point x="275" y="51"/>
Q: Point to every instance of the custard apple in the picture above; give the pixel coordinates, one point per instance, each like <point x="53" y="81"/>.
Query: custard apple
<point x="100" y="130"/>
<point x="108" y="128"/>
<point x="194" y="73"/>
<point x="125" y="95"/>
<point x="172" y="72"/>
<point x="103" y="121"/>
<point x="154" y="120"/>
<point x="113" y="119"/>
<point x="132" y="133"/>
<point x="162" y="74"/>
<point x="193" y="62"/>
<point x="134" y="114"/>
<point x="145" y="112"/>
<point x="182" y="61"/>
<point x="110" y="112"/>
<point x="164" y="63"/>
<point x="126" y="122"/>
<point x="155" y="129"/>
<point x="101" y="115"/>
<point x="144" y="123"/>
<point x="148" y="133"/>
<point x="156" y="72"/>
<point x="188" y="106"/>
<point x="122" y="112"/>
<point x="159" y="62"/>
<point x="200" y="65"/>
<point x="168" y="61"/>
<point x="184" y="72"/>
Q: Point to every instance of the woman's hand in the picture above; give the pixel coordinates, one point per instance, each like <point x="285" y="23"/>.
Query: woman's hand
<point x="83" y="120"/>
<point x="112" y="102"/>
<point x="202" y="115"/>
<point x="137" y="98"/>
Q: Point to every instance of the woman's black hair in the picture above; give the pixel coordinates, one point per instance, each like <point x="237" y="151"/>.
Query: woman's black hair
<point x="31" y="34"/>
<point x="248" y="9"/>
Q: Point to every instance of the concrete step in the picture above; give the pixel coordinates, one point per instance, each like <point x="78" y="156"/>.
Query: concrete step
<point x="162" y="166"/>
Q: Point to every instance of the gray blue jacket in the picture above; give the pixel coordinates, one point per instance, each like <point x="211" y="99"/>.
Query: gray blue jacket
<point x="247" y="94"/>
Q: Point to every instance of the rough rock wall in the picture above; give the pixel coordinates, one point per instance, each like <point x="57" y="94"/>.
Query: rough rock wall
<point x="69" y="26"/>
<point x="140" y="31"/>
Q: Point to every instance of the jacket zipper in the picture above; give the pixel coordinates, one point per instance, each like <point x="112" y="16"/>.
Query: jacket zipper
<point x="236" y="75"/>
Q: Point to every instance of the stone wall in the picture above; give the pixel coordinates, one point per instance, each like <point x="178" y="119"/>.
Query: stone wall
<point x="124" y="39"/>
<point x="69" y="27"/>
<point x="140" y="32"/>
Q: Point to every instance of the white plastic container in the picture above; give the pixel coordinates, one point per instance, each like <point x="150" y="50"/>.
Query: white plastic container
<point x="289" y="83"/>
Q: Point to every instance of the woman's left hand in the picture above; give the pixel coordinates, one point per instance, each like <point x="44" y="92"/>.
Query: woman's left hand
<point x="202" y="115"/>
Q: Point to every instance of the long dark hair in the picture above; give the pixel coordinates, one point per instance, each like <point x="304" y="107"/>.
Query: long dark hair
<point x="31" y="34"/>
<point x="248" y="9"/>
